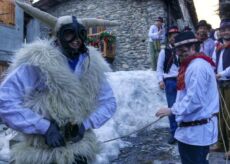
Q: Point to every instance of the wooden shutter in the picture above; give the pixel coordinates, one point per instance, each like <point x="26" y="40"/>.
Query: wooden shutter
<point x="101" y="29"/>
<point x="7" y="12"/>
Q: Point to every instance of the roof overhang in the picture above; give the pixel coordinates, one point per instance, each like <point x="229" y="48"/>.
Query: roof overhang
<point x="47" y="4"/>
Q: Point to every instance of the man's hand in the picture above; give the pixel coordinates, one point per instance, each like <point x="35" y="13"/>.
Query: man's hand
<point x="218" y="76"/>
<point x="162" y="85"/>
<point x="160" y="32"/>
<point x="163" y="112"/>
<point x="53" y="137"/>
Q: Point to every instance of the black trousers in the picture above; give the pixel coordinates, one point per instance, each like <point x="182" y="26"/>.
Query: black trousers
<point x="191" y="154"/>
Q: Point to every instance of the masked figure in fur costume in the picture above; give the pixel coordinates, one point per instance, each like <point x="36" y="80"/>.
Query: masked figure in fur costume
<point x="56" y="92"/>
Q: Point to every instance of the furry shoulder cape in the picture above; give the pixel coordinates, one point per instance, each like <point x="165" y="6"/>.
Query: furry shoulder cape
<point x="66" y="98"/>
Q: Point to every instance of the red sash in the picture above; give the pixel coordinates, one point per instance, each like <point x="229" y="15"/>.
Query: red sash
<point x="185" y="63"/>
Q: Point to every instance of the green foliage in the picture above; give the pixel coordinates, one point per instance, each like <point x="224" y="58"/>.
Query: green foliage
<point x="109" y="38"/>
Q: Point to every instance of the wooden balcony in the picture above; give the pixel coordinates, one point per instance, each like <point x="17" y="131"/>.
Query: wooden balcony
<point x="104" y="41"/>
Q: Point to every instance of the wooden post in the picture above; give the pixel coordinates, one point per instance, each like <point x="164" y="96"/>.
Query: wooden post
<point x="109" y="51"/>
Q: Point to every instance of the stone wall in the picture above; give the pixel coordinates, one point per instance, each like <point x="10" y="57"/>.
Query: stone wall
<point x="135" y="17"/>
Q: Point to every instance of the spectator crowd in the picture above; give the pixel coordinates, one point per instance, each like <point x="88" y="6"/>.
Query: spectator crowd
<point x="193" y="67"/>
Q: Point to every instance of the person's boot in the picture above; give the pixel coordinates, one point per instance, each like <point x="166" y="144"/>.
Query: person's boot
<point x="216" y="148"/>
<point x="172" y="140"/>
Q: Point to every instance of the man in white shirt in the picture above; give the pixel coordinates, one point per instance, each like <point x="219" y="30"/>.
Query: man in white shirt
<point x="156" y="37"/>
<point x="167" y="70"/>
<point x="207" y="44"/>
<point x="197" y="102"/>
<point x="221" y="56"/>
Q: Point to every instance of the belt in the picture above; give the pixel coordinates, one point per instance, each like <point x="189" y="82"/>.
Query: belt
<point x="197" y="122"/>
<point x="224" y="83"/>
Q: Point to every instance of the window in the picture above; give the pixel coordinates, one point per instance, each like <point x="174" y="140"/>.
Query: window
<point x="7" y="12"/>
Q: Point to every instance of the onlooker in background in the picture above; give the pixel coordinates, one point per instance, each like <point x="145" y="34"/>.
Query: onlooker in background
<point x="207" y="44"/>
<point x="218" y="38"/>
<point x="212" y="35"/>
<point x="156" y="37"/>
<point x="186" y="29"/>
<point x="222" y="58"/>
<point x="211" y="32"/>
<point x="167" y="70"/>
<point x="195" y="113"/>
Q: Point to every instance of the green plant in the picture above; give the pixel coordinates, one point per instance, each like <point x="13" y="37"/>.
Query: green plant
<point x="109" y="38"/>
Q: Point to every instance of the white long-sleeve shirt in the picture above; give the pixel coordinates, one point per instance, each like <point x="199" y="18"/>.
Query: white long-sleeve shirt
<point x="173" y="71"/>
<point x="155" y="35"/>
<point x="225" y="73"/>
<point x="199" y="100"/>
<point x="207" y="47"/>
<point x="24" y="80"/>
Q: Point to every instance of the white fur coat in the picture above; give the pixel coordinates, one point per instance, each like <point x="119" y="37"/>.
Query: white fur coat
<point x="66" y="98"/>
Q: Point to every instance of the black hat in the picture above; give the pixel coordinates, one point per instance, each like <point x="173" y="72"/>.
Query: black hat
<point x="209" y="26"/>
<point x="160" y="19"/>
<point x="203" y="23"/>
<point x="185" y="38"/>
<point x="224" y="23"/>
<point x="172" y="29"/>
<point x="187" y="28"/>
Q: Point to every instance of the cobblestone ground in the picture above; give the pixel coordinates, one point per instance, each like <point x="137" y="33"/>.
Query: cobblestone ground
<point x="151" y="147"/>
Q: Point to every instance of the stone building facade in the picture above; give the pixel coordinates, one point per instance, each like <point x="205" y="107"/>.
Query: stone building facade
<point x="135" y="18"/>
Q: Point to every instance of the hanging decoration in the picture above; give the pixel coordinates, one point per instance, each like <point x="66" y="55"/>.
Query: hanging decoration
<point x="98" y="40"/>
<point x="108" y="38"/>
